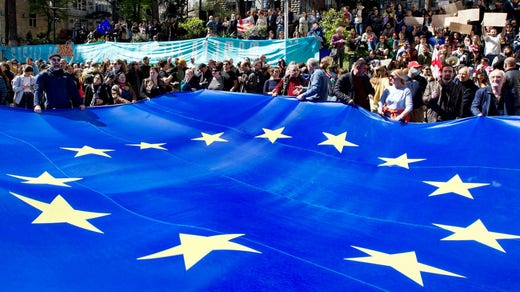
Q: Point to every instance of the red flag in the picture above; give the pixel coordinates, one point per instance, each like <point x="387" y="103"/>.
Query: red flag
<point x="436" y="63"/>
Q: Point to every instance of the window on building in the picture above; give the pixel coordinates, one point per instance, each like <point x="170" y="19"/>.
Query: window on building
<point x="81" y="5"/>
<point x="32" y="20"/>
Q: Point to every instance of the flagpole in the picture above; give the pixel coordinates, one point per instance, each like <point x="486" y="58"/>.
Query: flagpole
<point x="286" y="19"/>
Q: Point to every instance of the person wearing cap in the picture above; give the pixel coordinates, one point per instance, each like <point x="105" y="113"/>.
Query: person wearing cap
<point x="58" y="86"/>
<point x="354" y="88"/>
<point x="396" y="102"/>
<point x="414" y="74"/>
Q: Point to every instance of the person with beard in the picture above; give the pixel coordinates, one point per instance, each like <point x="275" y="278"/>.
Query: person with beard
<point x="495" y="99"/>
<point x="443" y="97"/>
<point x="469" y="91"/>
<point x="58" y="86"/>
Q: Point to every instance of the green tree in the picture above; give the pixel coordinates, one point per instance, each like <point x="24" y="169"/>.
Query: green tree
<point x="330" y="21"/>
<point x="192" y="28"/>
<point x="49" y="9"/>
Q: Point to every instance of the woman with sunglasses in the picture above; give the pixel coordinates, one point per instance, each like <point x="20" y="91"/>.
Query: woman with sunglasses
<point x="273" y="80"/>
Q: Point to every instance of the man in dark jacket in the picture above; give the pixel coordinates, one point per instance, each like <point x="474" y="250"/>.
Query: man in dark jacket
<point x="354" y="88"/>
<point x="494" y="99"/>
<point x="60" y="90"/>
<point x="513" y="80"/>
<point x="469" y="91"/>
<point x="443" y="97"/>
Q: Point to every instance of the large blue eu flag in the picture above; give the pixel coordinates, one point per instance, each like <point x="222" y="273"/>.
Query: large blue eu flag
<point x="214" y="191"/>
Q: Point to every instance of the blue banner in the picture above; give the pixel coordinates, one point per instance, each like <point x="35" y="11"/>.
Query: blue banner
<point x="219" y="191"/>
<point x="296" y="49"/>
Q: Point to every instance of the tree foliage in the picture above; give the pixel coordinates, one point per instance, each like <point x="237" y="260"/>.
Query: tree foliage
<point x="191" y="28"/>
<point x="45" y="9"/>
<point x="330" y="20"/>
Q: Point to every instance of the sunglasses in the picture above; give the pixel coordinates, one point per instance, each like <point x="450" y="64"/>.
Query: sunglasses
<point x="55" y="59"/>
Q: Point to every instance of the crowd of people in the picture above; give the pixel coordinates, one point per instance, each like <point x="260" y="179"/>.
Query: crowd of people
<point x="478" y="73"/>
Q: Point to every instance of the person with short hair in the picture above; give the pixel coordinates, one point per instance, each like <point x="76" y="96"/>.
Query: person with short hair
<point x="443" y="97"/>
<point x="58" y="86"/>
<point x="495" y="99"/>
<point x="318" y="83"/>
<point x="469" y="88"/>
<point x="23" y="87"/>
<point x="354" y="88"/>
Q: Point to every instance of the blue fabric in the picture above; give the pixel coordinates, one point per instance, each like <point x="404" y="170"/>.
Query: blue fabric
<point x="293" y="214"/>
<point x="201" y="49"/>
<point x="104" y="27"/>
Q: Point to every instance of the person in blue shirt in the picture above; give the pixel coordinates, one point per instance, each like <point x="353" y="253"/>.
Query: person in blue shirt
<point x="318" y="83"/>
<point x="58" y="86"/>
<point x="317" y="32"/>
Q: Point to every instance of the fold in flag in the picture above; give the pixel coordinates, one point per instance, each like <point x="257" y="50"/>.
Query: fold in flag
<point x="218" y="191"/>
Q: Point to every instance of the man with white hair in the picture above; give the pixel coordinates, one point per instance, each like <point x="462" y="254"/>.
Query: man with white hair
<point x="318" y="83"/>
<point x="494" y="99"/>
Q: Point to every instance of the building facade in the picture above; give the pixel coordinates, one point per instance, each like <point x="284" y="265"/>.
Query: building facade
<point x="32" y="25"/>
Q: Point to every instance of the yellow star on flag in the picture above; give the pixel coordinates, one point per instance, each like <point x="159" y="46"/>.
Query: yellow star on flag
<point x="144" y="145"/>
<point x="401" y="161"/>
<point x="196" y="247"/>
<point x="454" y="185"/>
<point x="59" y="211"/>
<point x="405" y="263"/>
<point x="338" y="141"/>
<point x="209" y="139"/>
<point x="87" y="150"/>
<point x="46" y="179"/>
<point x="273" y="135"/>
<point x="478" y="232"/>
